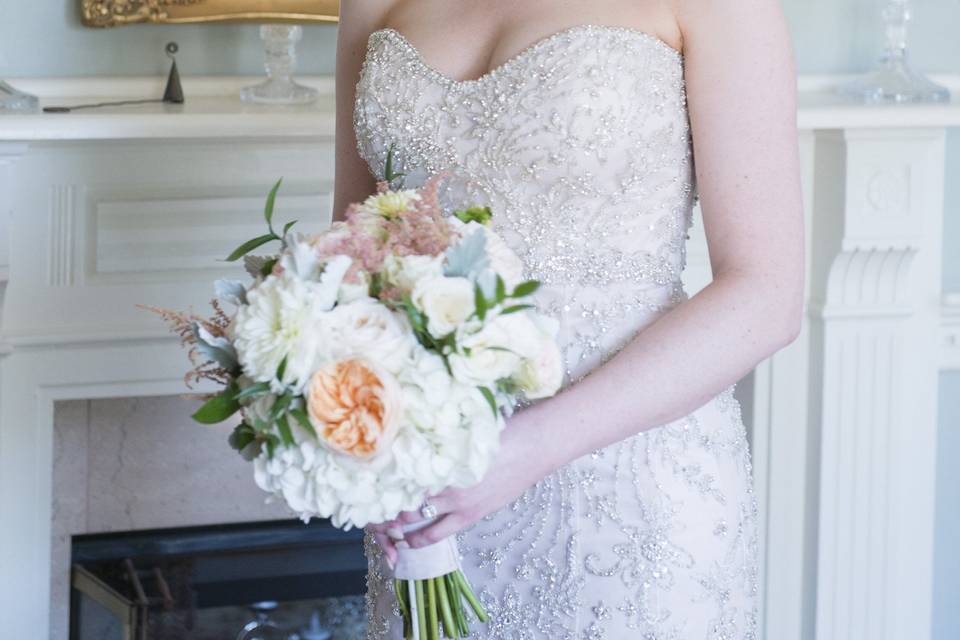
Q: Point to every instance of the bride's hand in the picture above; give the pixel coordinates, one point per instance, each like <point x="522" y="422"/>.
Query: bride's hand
<point x="519" y="464"/>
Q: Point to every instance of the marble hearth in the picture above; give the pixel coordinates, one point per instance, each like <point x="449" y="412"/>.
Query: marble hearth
<point x="140" y="463"/>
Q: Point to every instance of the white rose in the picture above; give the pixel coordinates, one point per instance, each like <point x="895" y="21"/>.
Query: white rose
<point x="542" y="375"/>
<point x="495" y="351"/>
<point x="369" y="329"/>
<point x="353" y="291"/>
<point x="447" y="302"/>
<point x="405" y="271"/>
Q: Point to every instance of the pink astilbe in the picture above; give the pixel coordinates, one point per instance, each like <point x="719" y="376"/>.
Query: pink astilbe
<point x="368" y="239"/>
<point x="181" y="324"/>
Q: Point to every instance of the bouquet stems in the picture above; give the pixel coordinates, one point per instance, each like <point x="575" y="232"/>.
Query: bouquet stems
<point x="437" y="606"/>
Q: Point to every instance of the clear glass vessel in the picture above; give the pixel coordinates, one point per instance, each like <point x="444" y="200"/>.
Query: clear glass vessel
<point x="14" y="101"/>
<point x="894" y="80"/>
<point x="280" y="42"/>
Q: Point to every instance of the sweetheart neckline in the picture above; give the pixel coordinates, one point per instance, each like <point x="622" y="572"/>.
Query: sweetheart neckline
<point x="522" y="53"/>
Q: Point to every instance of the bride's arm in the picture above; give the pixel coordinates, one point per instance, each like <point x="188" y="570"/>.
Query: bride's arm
<point x="741" y="90"/>
<point x="741" y="94"/>
<point x="352" y="178"/>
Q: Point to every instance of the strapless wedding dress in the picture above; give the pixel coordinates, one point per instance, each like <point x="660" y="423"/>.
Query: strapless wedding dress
<point x="581" y="145"/>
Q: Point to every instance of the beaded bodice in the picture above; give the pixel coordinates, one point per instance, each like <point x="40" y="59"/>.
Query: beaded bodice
<point x="580" y="144"/>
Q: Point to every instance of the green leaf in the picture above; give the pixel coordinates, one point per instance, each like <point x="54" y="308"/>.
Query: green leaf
<point x="501" y="291"/>
<point x="479" y="302"/>
<point x="304" y="421"/>
<point x="261" y="426"/>
<point x="287" y="226"/>
<point x="268" y="208"/>
<point x="525" y="288"/>
<point x="490" y="399"/>
<point x="271" y="442"/>
<point x="282" y="368"/>
<point x="414" y="315"/>
<point x="389" y="175"/>
<point x="388" y="165"/>
<point x="376" y="285"/>
<point x="250" y="245"/>
<point x="280" y="406"/>
<point x="267" y="266"/>
<point x="475" y="214"/>
<point x="285" y="434"/>
<point x="241" y="436"/>
<point x="218" y="408"/>
<point x="514" y="308"/>
<point x="254" y="390"/>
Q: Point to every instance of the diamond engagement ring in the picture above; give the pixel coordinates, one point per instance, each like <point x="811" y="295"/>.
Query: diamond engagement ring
<point x="428" y="511"/>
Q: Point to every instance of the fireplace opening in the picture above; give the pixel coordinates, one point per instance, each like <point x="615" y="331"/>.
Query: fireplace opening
<point x="282" y="580"/>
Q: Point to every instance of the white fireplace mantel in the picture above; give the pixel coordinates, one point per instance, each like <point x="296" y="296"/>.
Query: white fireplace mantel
<point x="106" y="209"/>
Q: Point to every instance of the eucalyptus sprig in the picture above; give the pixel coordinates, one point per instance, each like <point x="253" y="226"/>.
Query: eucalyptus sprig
<point x="272" y="235"/>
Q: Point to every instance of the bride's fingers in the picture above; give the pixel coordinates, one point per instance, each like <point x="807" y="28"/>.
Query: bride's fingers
<point x="387" y="545"/>
<point x="441" y="502"/>
<point x="444" y="527"/>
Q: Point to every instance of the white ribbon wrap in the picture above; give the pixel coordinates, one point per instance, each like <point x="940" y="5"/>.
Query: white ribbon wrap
<point x="432" y="561"/>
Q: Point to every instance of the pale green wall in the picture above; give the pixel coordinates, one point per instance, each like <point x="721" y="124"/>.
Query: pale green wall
<point x="45" y="38"/>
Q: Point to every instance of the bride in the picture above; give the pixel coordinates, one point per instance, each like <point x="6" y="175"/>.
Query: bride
<point x="622" y="507"/>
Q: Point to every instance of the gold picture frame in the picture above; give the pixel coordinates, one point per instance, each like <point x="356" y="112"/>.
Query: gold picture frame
<point x="113" y="13"/>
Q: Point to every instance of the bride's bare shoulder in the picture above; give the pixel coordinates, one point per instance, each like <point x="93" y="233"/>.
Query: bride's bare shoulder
<point x="750" y="22"/>
<point x="360" y="17"/>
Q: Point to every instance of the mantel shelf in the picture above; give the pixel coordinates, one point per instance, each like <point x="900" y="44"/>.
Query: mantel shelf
<point x="213" y="110"/>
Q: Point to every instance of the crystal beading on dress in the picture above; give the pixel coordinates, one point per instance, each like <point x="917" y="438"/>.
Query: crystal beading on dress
<point x="581" y="145"/>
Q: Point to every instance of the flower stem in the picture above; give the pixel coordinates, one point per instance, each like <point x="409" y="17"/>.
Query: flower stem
<point x="457" y="602"/>
<point x="469" y="595"/>
<point x="400" y="587"/>
<point x="445" y="612"/>
<point x="432" y="610"/>
<point x="421" y="610"/>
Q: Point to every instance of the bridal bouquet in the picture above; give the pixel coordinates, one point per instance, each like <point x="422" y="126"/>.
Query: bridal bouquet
<point x="372" y="366"/>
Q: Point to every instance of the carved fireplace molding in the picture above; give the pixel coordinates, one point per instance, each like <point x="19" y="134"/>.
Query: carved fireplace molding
<point x="122" y="207"/>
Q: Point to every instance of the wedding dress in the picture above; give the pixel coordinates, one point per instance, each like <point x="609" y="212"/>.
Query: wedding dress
<point x="581" y="146"/>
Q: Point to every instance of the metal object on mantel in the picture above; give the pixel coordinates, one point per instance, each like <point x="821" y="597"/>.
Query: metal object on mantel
<point x="113" y="13"/>
<point x="173" y="93"/>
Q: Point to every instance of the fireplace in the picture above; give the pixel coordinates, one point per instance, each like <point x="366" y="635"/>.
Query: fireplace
<point x="159" y="532"/>
<point x="285" y="578"/>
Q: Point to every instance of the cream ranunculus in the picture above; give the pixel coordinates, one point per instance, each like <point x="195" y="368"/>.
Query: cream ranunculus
<point x="447" y="303"/>
<point x="404" y="272"/>
<point x="495" y="351"/>
<point x="369" y="329"/>
<point x="541" y="375"/>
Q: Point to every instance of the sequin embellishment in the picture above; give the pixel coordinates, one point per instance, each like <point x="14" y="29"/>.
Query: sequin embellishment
<point x="581" y="145"/>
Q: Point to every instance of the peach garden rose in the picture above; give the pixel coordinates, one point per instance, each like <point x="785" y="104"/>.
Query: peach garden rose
<point x="354" y="406"/>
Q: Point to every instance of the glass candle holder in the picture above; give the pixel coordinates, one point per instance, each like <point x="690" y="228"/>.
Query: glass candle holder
<point x="15" y="101"/>
<point x="280" y="42"/>
<point x="894" y="80"/>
